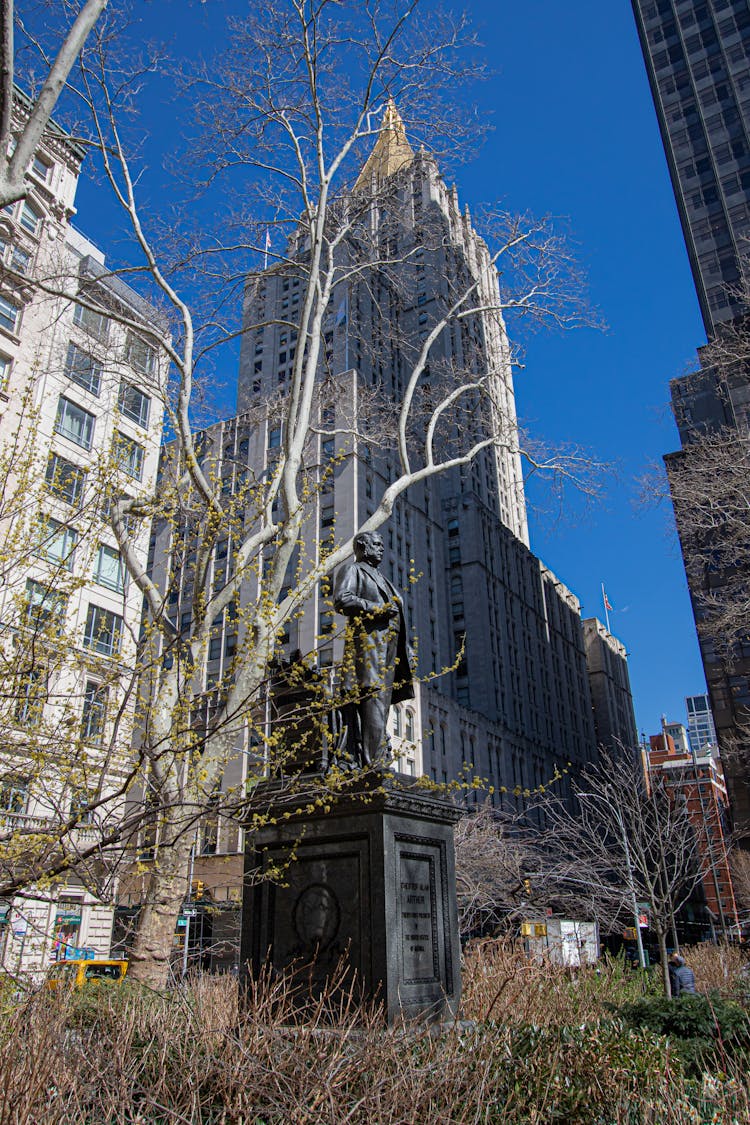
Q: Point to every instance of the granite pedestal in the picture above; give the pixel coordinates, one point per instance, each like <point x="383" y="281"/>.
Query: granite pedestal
<point x="373" y="882"/>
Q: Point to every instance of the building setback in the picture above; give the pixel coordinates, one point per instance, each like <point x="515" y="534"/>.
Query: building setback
<point x="610" y="686"/>
<point x="504" y="691"/>
<point x="697" y="55"/>
<point x="80" y="424"/>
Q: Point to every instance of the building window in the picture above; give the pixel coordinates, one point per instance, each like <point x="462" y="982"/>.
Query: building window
<point x="94" y="712"/>
<point x="109" y="569"/>
<point x="30" y="696"/>
<point x="18" y="259"/>
<point x="210" y="832"/>
<point x="214" y="648"/>
<point x="103" y="630"/>
<point x="134" y="404"/>
<point x="82" y="368"/>
<point x="14" y="794"/>
<point x="5" y="366"/>
<point x="80" y="804"/>
<point x="93" y="322"/>
<point x="65" y="479"/>
<point x="57" y="542"/>
<point x="43" y="605"/>
<point x="10" y="315"/>
<point x="30" y="219"/>
<point x="409" y="725"/>
<point x="41" y="168"/>
<point x="74" y="423"/>
<point x="140" y="355"/>
<point x="274" y="437"/>
<point x="129" y="455"/>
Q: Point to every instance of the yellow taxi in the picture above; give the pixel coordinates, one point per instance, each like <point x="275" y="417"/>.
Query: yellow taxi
<point x="77" y="973"/>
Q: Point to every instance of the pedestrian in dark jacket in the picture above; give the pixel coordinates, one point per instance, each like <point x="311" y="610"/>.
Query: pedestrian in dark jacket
<point x="681" y="976"/>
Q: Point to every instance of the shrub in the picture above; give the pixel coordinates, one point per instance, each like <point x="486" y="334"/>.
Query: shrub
<point x="705" y="1030"/>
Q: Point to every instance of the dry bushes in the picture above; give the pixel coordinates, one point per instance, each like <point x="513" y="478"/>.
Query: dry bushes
<point x="717" y="968"/>
<point x="539" y="1048"/>
<point x="502" y="983"/>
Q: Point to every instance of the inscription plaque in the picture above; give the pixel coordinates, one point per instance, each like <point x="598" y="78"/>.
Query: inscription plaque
<point x="418" y="916"/>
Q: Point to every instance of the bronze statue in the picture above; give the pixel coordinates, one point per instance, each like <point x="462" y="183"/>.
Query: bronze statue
<point x="376" y="670"/>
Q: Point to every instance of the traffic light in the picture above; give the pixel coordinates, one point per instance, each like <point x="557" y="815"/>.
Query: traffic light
<point x="527" y="887"/>
<point x="199" y="889"/>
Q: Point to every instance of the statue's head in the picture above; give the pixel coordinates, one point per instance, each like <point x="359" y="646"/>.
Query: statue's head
<point x="369" y="547"/>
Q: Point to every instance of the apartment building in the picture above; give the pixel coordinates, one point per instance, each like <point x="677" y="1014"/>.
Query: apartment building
<point x="80" y="426"/>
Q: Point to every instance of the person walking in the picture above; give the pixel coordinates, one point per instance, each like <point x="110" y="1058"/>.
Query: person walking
<point x="681" y="976"/>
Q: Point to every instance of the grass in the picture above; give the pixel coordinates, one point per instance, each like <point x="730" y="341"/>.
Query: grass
<point x="535" y="1047"/>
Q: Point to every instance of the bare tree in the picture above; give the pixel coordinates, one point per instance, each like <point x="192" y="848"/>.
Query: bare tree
<point x="708" y="482"/>
<point x="289" y="117"/>
<point x="494" y="858"/>
<point x="19" y="138"/>
<point x="628" y="842"/>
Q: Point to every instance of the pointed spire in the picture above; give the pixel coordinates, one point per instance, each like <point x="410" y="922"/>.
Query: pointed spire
<point x="392" y="150"/>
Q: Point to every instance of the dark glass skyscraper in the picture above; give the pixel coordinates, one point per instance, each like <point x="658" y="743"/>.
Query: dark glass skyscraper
<point x="697" y="55"/>
<point x="698" y="62"/>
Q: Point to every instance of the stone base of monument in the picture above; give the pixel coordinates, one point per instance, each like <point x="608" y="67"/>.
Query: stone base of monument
<point x="369" y="884"/>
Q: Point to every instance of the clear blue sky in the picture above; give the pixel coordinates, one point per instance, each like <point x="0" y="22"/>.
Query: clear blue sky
<point x="575" y="135"/>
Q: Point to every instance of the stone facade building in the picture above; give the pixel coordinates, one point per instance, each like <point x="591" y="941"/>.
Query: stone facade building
<point x="80" y="424"/>
<point x="504" y="691"/>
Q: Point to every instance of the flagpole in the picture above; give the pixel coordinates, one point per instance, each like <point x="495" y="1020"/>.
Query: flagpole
<point x="606" y="611"/>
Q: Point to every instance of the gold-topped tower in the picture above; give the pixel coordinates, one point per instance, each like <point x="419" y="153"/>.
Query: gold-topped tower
<point x="391" y="153"/>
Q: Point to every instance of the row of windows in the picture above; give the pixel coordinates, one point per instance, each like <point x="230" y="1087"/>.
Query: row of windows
<point x="86" y="371"/>
<point x="46" y="608"/>
<point x="140" y="355"/>
<point x="33" y="696"/>
<point x="77" y="425"/>
<point x="407" y="727"/>
<point x="57" y="545"/>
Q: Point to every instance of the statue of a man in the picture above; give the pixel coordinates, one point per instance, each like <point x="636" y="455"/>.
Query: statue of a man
<point x="376" y="670"/>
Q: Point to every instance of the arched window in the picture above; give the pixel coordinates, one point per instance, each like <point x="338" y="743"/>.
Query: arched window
<point x="397" y="721"/>
<point x="409" y="725"/>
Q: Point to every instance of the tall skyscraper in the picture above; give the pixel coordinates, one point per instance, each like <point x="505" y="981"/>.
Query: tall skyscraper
<point x="520" y="693"/>
<point x="698" y="62"/>
<point x="503" y="690"/>
<point x="697" y="56"/>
